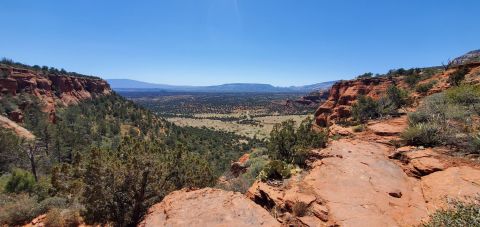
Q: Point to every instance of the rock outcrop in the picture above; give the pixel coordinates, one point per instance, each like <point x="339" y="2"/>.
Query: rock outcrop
<point x="312" y="99"/>
<point x="6" y="123"/>
<point x="51" y="89"/>
<point x="207" y="207"/>
<point x="344" y="93"/>
<point x="354" y="185"/>
<point x="455" y="182"/>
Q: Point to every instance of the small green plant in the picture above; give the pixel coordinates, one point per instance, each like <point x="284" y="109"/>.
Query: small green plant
<point x="458" y="214"/>
<point x="457" y="77"/>
<point x="475" y="143"/>
<point x="425" y="87"/>
<point x="16" y="210"/>
<point x="359" y="128"/>
<point x="425" y="134"/>
<point x="292" y="145"/>
<point x="365" y="75"/>
<point x="63" y="218"/>
<point x="20" y="181"/>
<point x="300" y="209"/>
<point x="466" y="95"/>
<point x="412" y="79"/>
<point x="398" y="97"/>
<point x="365" y="109"/>
<point x="275" y="170"/>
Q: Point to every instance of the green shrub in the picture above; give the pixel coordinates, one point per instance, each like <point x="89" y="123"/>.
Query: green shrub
<point x="457" y="77"/>
<point x="425" y="87"/>
<point x="446" y="118"/>
<point x="20" y="181"/>
<point x="293" y="146"/>
<point x="359" y="128"/>
<point x="412" y="79"/>
<point x="282" y="140"/>
<point x="365" y="75"/>
<point x="397" y="96"/>
<point x="255" y="166"/>
<point x="17" y="209"/>
<point x="458" y="214"/>
<point x="276" y="170"/>
<point x="475" y="143"/>
<point x="425" y="134"/>
<point x="300" y="209"/>
<point x="418" y="117"/>
<point x="63" y="218"/>
<point x="466" y="95"/>
<point x="3" y="73"/>
<point x="365" y="109"/>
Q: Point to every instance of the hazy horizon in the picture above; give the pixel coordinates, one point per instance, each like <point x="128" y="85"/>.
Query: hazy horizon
<point x="211" y="42"/>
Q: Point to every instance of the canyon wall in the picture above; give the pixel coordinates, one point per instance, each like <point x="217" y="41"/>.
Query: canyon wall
<point x="51" y="89"/>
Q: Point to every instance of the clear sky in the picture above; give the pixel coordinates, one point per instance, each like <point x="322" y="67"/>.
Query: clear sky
<point x="205" y="42"/>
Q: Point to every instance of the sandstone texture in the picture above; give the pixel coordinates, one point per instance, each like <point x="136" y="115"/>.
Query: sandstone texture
<point x="344" y="93"/>
<point x="6" y="123"/>
<point x="360" y="179"/>
<point x="455" y="182"/>
<point x="393" y="127"/>
<point x="354" y="185"/>
<point x="207" y="207"/>
<point x="51" y="89"/>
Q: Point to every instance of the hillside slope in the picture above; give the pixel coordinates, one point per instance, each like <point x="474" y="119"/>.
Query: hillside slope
<point x="368" y="175"/>
<point x="52" y="88"/>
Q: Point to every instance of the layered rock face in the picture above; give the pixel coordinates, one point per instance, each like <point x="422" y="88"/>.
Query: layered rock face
<point x="312" y="99"/>
<point x="49" y="88"/>
<point x="207" y="207"/>
<point x="344" y="93"/>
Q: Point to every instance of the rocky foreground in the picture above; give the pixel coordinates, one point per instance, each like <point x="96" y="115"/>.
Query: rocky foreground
<point x="361" y="179"/>
<point x="51" y="89"/>
<point x="357" y="181"/>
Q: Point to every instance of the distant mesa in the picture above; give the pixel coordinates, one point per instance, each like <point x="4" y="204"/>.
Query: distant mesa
<point x="470" y="57"/>
<point x="135" y="85"/>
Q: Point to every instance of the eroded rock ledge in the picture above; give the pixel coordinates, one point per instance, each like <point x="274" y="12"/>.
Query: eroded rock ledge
<point x="207" y="207"/>
<point x="51" y="89"/>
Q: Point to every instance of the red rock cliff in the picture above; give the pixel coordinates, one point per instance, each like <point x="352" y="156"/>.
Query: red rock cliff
<point x="51" y="89"/>
<point x="344" y="93"/>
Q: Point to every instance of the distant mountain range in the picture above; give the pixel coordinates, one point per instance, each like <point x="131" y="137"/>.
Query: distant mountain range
<point x="135" y="85"/>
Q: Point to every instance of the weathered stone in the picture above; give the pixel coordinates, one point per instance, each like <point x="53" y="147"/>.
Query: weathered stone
<point x="207" y="207"/>
<point x="452" y="183"/>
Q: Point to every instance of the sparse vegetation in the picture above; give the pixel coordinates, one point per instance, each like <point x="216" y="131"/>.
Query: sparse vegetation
<point x="299" y="209"/>
<point x="292" y="146"/>
<point x="447" y="118"/>
<point x="120" y="185"/>
<point x="43" y="69"/>
<point x="458" y="214"/>
<point x="425" y="87"/>
<point x="366" y="108"/>
<point x="365" y="75"/>
<point x="358" y="128"/>
<point x="457" y="77"/>
<point x="275" y="170"/>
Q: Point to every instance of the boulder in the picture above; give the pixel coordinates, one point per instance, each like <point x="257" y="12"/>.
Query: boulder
<point x="452" y="183"/>
<point x="391" y="127"/>
<point x="207" y="207"/>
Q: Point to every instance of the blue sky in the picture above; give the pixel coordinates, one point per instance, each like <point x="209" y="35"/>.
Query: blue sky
<point x="204" y="42"/>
